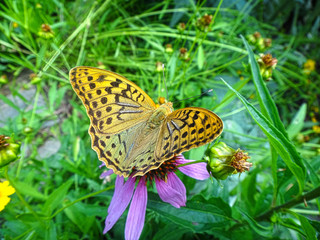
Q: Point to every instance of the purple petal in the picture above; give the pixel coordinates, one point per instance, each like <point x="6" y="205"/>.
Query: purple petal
<point x="106" y="174"/>
<point x="117" y="190"/>
<point x="196" y="171"/>
<point x="137" y="212"/>
<point x="119" y="202"/>
<point x="177" y="184"/>
<point x="173" y="191"/>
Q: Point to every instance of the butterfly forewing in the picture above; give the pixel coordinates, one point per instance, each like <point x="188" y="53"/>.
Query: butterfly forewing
<point x="113" y="103"/>
<point x="185" y="129"/>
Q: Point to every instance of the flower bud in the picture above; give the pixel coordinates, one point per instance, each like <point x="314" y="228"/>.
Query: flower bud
<point x="34" y="78"/>
<point x="224" y="161"/>
<point x="267" y="42"/>
<point x="46" y="31"/>
<point x="184" y="55"/>
<point x="169" y="48"/>
<point x="181" y="27"/>
<point x="101" y="65"/>
<point x="3" y="79"/>
<point x="203" y="23"/>
<point x="267" y="63"/>
<point x="9" y="150"/>
<point x="159" y="67"/>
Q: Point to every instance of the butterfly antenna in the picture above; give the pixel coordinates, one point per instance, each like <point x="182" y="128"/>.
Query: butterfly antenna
<point x="165" y="83"/>
<point x="210" y="90"/>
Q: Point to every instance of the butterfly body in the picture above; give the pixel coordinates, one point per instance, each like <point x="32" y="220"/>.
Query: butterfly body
<point x="130" y="134"/>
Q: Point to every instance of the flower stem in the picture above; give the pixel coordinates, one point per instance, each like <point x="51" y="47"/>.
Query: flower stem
<point x="191" y="162"/>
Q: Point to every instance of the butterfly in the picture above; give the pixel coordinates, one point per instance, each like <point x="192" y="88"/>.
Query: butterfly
<point x="130" y="134"/>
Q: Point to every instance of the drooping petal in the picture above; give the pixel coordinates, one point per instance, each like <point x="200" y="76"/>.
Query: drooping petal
<point x="170" y="194"/>
<point x="106" y="174"/>
<point x="117" y="190"/>
<point x="177" y="184"/>
<point x="137" y="212"/>
<point x="197" y="171"/>
<point x="119" y="203"/>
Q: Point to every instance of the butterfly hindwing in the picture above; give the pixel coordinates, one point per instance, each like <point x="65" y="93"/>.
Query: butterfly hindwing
<point x="113" y="102"/>
<point x="187" y="128"/>
<point x="127" y="150"/>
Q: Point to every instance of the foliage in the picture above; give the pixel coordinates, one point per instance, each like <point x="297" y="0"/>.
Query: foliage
<point x="276" y="120"/>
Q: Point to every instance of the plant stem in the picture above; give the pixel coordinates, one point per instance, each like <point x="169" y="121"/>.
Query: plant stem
<point x="315" y="193"/>
<point x="300" y="199"/>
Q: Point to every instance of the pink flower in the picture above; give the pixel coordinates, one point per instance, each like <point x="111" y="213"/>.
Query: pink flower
<point x="169" y="187"/>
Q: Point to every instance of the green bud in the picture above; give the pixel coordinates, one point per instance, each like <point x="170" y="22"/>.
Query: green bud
<point x="27" y="130"/>
<point x="169" y="48"/>
<point x="260" y="44"/>
<point x="251" y="39"/>
<point x="181" y="27"/>
<point x="159" y="67"/>
<point x="35" y="80"/>
<point x="267" y="63"/>
<point x="9" y="150"/>
<point x="3" y="79"/>
<point x="224" y="161"/>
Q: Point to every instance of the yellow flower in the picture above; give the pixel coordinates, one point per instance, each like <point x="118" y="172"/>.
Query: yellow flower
<point x="313" y="119"/>
<point x="309" y="66"/>
<point x="316" y="129"/>
<point x="315" y="109"/>
<point x="5" y="191"/>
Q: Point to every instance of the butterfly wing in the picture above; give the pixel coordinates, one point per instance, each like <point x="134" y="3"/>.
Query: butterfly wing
<point x="118" y="110"/>
<point x="187" y="128"/>
<point x="113" y="102"/>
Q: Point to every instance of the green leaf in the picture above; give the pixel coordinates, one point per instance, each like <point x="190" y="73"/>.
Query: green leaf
<point x="267" y="105"/>
<point x="9" y="102"/>
<point x="56" y="197"/>
<point x="28" y="190"/>
<point x="307" y="227"/>
<point x="170" y="232"/>
<point x="290" y="223"/>
<point x="74" y="213"/>
<point x="229" y="96"/>
<point x="297" y="122"/>
<point x="282" y="145"/>
<point x="51" y="231"/>
<point x="199" y="215"/>
<point x="258" y="228"/>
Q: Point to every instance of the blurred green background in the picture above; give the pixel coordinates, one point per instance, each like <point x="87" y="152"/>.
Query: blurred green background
<point x="58" y="191"/>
